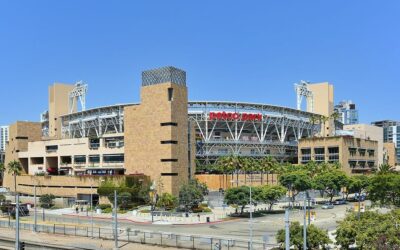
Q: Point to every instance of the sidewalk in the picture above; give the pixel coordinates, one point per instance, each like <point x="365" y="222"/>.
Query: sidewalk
<point x="73" y="241"/>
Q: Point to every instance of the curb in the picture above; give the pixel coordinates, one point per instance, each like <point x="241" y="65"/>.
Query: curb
<point x="150" y="223"/>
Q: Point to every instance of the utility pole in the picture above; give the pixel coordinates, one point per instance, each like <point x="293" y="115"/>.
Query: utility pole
<point x="91" y="207"/>
<point x="305" y="225"/>
<point x="115" y="220"/>
<point x="34" y="210"/>
<point x="17" y="222"/>
<point x="251" y="218"/>
<point x="287" y="230"/>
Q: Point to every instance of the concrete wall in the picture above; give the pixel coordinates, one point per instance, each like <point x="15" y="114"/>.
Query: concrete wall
<point x="58" y="106"/>
<point x="214" y="181"/>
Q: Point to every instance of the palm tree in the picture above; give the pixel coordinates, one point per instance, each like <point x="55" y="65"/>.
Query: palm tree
<point x="2" y="169"/>
<point x="267" y="165"/>
<point x="335" y="116"/>
<point x="230" y="164"/>
<point x="385" y="168"/>
<point x="323" y="120"/>
<point x="313" y="119"/>
<point x="14" y="168"/>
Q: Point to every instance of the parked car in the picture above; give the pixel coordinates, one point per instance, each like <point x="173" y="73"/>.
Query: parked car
<point x="328" y="206"/>
<point x="340" y="202"/>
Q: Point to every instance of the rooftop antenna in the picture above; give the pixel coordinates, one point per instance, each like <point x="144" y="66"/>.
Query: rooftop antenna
<point x="78" y="93"/>
<point x="303" y="91"/>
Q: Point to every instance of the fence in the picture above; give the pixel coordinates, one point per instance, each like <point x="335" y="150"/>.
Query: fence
<point x="144" y="237"/>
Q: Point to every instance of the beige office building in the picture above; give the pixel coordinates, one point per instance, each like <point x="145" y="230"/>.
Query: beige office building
<point x="355" y="155"/>
<point x="152" y="140"/>
<point x="369" y="132"/>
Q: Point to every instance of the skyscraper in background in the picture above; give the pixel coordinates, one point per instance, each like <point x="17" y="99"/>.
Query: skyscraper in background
<point x="348" y="114"/>
<point x="391" y="133"/>
<point x="3" y="141"/>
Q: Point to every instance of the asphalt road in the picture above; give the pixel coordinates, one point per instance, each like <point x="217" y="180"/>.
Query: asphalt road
<point x="264" y="227"/>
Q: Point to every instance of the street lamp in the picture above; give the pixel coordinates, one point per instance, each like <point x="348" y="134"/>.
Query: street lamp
<point x="153" y="198"/>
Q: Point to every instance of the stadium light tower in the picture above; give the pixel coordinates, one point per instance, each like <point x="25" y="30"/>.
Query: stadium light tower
<point x="78" y="93"/>
<point x="303" y="91"/>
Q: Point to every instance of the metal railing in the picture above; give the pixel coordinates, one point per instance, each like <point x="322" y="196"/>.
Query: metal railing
<point x="144" y="237"/>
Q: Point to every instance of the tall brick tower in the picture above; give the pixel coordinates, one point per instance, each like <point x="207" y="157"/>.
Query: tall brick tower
<point x="156" y="131"/>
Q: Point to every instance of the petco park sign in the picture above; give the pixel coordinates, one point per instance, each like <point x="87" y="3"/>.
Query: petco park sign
<point x="235" y="116"/>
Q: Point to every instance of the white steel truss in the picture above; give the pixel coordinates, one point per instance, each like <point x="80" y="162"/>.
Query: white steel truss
<point x="78" y="93"/>
<point x="303" y="91"/>
<point x="276" y="134"/>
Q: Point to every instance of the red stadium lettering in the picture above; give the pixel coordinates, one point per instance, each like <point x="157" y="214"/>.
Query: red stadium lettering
<point x="235" y="116"/>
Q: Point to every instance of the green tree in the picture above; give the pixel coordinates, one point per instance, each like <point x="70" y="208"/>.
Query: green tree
<point x="316" y="238"/>
<point x="384" y="189"/>
<point x="372" y="231"/>
<point x="47" y="200"/>
<point x="331" y="182"/>
<point x="238" y="196"/>
<point x="357" y="184"/>
<point x="192" y="194"/>
<point x="226" y="165"/>
<point x="14" y="168"/>
<point x="271" y="194"/>
<point x="296" y="182"/>
<point x="124" y="199"/>
<point x="167" y="201"/>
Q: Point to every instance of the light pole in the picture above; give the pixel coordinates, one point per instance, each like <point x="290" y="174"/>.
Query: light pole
<point x="17" y="222"/>
<point x="34" y="211"/>
<point x="305" y="225"/>
<point x="91" y="207"/>
<point x="115" y="220"/>
<point x="287" y="230"/>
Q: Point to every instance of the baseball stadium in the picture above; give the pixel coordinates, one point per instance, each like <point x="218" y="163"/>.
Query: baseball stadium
<point x="160" y="137"/>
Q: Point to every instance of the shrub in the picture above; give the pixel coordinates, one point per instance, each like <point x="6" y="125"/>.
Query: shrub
<point x="104" y="206"/>
<point x="145" y="211"/>
<point x="206" y="210"/>
<point x="107" y="210"/>
<point x="46" y="201"/>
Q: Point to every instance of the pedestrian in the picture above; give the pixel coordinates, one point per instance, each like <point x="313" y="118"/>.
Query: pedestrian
<point x="76" y="209"/>
<point x="198" y="216"/>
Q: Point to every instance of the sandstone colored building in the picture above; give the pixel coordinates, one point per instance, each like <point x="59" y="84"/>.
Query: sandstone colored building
<point x="355" y="155"/>
<point x="155" y="143"/>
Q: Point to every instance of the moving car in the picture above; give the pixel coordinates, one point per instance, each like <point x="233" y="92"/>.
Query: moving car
<point x="328" y="205"/>
<point x="340" y="202"/>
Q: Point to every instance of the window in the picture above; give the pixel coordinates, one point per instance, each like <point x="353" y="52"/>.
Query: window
<point x="333" y="154"/>
<point x="169" y="160"/>
<point x="80" y="159"/>
<point x="319" y="154"/>
<point x="371" y="152"/>
<point x="94" y="143"/>
<point x="169" y="142"/>
<point x="94" y="158"/>
<point x="306" y="155"/>
<point x="163" y="124"/>
<point x="169" y="174"/>
<point x="117" y="158"/>
<point x="51" y="148"/>
<point x="170" y="94"/>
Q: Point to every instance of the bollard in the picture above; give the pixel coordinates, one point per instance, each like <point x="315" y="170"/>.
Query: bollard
<point x="54" y="228"/>
<point x="64" y="229"/>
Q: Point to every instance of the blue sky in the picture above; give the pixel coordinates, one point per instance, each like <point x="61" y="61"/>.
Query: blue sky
<point x="249" y="51"/>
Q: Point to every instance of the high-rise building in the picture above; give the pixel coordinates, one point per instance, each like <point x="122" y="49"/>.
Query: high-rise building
<point x="391" y="133"/>
<point x="348" y="114"/>
<point x="3" y="137"/>
<point x="3" y="141"/>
